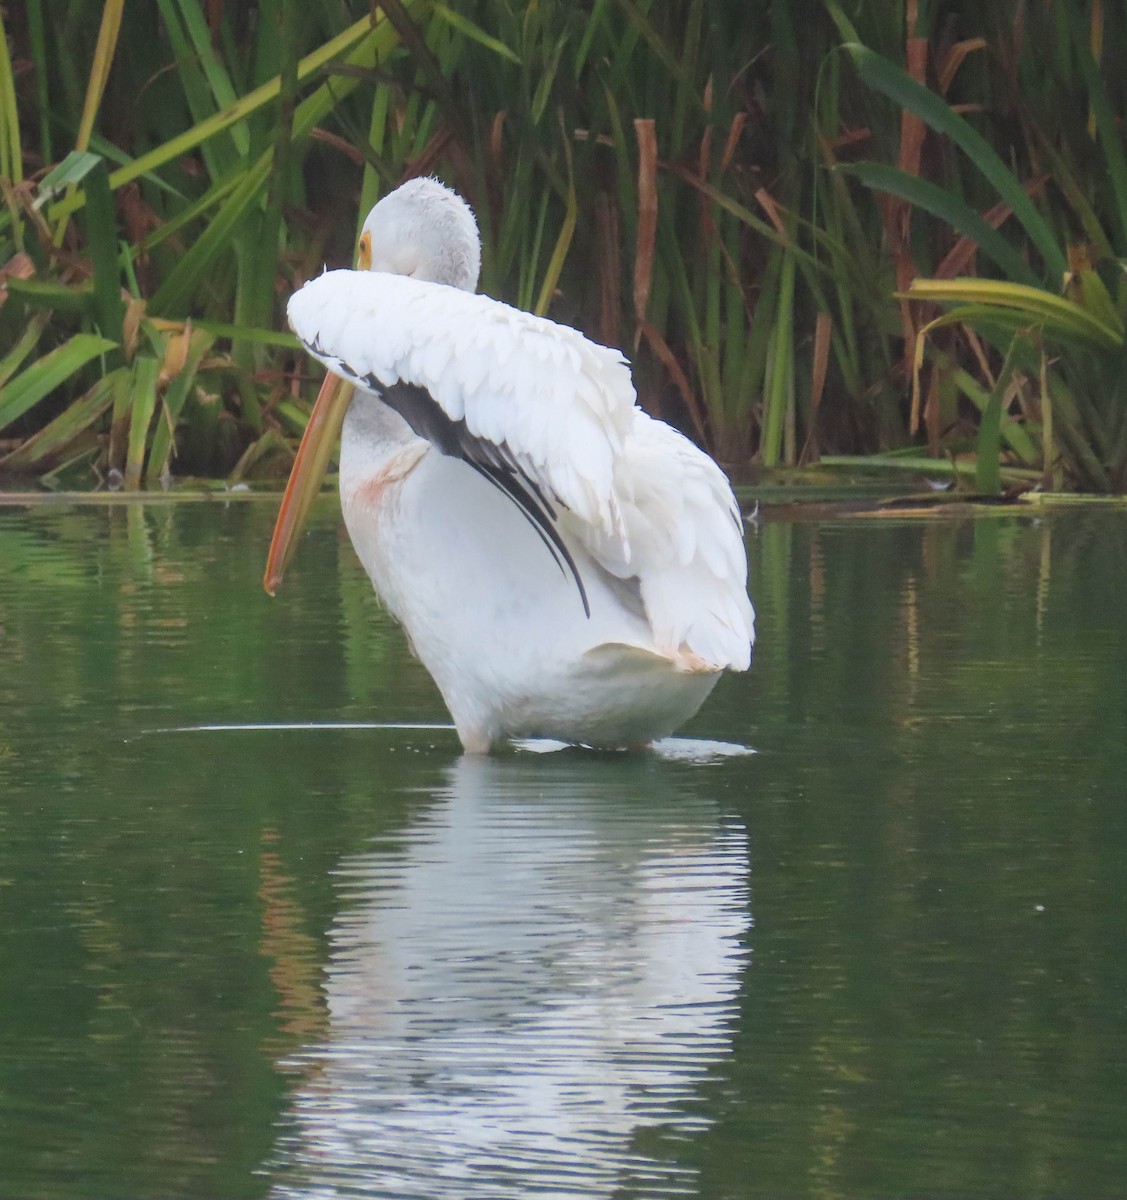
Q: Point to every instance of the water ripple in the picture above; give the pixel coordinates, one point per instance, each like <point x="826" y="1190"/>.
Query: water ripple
<point x="519" y="987"/>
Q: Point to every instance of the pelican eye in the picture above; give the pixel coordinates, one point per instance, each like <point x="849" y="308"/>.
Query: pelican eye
<point x="364" y="252"/>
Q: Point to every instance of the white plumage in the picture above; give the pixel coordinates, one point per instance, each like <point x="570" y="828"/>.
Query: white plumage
<point x="563" y="405"/>
<point x="563" y="564"/>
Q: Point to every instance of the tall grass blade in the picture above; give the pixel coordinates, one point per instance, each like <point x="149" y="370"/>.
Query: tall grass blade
<point x="672" y="63"/>
<point x="563" y="241"/>
<point x="218" y="154"/>
<point x="261" y="238"/>
<point x="948" y="208"/>
<point x="57" y="297"/>
<point x="1051" y="478"/>
<point x="48" y="373"/>
<point x="1057" y="314"/>
<point x="646" y="242"/>
<point x="464" y="25"/>
<point x="37" y="46"/>
<point x="11" y="149"/>
<point x="142" y="405"/>
<point x="199" y="343"/>
<point x="778" y="390"/>
<point x="823" y="331"/>
<point x="171" y="298"/>
<point x="24" y="345"/>
<point x="74" y="421"/>
<point x="846" y="29"/>
<point x="1015" y="436"/>
<point x="1111" y="140"/>
<point x="987" y="473"/>
<point x="101" y="237"/>
<point x="916" y="463"/>
<point x="218" y="80"/>
<point x="73" y="169"/>
<point x="104" y="51"/>
<point x="897" y="85"/>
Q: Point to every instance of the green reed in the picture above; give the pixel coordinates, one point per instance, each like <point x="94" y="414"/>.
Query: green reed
<point x="750" y="200"/>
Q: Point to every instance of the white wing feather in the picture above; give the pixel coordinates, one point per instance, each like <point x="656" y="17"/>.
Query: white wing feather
<point x="686" y="548"/>
<point x="560" y="403"/>
<point x="642" y="499"/>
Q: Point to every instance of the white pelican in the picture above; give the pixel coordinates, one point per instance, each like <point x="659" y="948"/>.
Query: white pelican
<point x="563" y="564"/>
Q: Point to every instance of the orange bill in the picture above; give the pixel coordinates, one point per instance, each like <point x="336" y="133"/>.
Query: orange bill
<point x="312" y="461"/>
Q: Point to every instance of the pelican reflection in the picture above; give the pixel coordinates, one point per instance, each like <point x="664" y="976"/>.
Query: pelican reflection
<point x="525" y="989"/>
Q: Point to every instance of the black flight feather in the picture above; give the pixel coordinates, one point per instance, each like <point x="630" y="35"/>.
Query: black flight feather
<point x="495" y="463"/>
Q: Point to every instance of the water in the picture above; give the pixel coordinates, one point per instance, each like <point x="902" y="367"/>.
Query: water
<point x="245" y="953"/>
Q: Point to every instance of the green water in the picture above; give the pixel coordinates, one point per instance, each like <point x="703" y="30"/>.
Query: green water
<point x="884" y="955"/>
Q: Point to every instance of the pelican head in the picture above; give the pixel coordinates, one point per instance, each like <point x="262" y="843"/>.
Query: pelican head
<point x="424" y="230"/>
